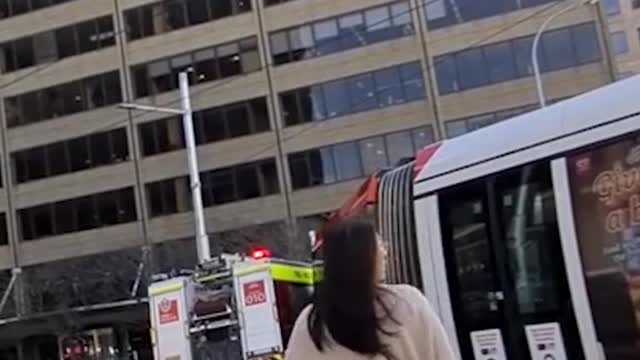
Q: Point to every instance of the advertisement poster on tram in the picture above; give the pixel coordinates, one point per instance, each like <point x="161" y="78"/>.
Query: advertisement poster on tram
<point x="605" y="187"/>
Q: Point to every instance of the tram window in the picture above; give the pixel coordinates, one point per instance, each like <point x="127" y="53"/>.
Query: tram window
<point x="530" y="232"/>
<point x="605" y="189"/>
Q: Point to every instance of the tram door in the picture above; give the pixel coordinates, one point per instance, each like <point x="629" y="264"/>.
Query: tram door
<point x="505" y="269"/>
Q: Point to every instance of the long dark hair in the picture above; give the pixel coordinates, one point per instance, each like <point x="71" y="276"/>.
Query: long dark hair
<point x="349" y="294"/>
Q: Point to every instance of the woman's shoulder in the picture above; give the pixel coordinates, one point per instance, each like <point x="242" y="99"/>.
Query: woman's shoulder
<point x="407" y="300"/>
<point x="405" y="291"/>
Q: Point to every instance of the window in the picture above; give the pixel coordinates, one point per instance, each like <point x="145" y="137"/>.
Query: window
<point x="210" y="125"/>
<point x="355" y="159"/>
<point x="341" y="33"/>
<point x="609" y="249"/>
<point x="71" y="155"/>
<point x="378" y="89"/>
<point x="9" y="8"/>
<point x="57" y="44"/>
<point x="509" y="60"/>
<point x="168" y="15"/>
<point x="4" y="236"/>
<point x="219" y="186"/>
<point x="459" y="127"/>
<point x="635" y="4"/>
<point x="611" y="7"/>
<point x="64" y="99"/>
<point x="209" y="64"/>
<point x="444" y="13"/>
<point x="619" y="44"/>
<point x="83" y="213"/>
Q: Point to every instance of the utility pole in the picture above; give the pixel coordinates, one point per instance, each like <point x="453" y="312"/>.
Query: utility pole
<point x="202" y="239"/>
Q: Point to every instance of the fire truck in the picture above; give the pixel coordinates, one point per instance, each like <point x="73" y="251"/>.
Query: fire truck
<point x="233" y="307"/>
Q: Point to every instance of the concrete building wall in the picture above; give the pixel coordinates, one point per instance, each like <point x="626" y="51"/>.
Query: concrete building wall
<point x="434" y="111"/>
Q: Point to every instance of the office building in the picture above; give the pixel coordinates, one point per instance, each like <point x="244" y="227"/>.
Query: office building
<point x="624" y="28"/>
<point x="294" y="103"/>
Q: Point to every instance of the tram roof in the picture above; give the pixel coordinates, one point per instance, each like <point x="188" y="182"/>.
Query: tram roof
<point x="583" y="112"/>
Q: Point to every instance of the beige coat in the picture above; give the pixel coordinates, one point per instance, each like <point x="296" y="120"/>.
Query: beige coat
<point x="419" y="335"/>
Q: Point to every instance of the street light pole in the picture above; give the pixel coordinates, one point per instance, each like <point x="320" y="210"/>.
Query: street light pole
<point x="534" y="48"/>
<point x="202" y="239"/>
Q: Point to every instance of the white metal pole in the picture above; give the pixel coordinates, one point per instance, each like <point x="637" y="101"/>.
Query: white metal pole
<point x="202" y="239"/>
<point x="536" y="41"/>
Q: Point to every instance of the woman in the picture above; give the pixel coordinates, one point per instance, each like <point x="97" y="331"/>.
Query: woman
<point x="355" y="317"/>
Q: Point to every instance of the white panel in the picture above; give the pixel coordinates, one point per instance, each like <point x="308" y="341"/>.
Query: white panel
<point x="432" y="262"/>
<point x="558" y="146"/>
<point x="572" y="260"/>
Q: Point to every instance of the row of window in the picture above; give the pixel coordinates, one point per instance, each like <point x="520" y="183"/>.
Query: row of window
<point x="209" y="64"/>
<point x="210" y="125"/>
<point x="355" y="159"/>
<point x="71" y="155"/>
<point x="220" y="186"/>
<point x="363" y="92"/>
<point x="462" y="126"/>
<point x="64" y="99"/>
<point x="169" y="15"/>
<point x="10" y="8"/>
<point x="341" y="33"/>
<point x="78" y="214"/>
<point x="511" y="59"/>
<point x="57" y="44"/>
<point x="4" y="236"/>
<point x="443" y="13"/>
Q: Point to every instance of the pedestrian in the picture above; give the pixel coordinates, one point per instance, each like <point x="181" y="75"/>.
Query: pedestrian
<point x="355" y="316"/>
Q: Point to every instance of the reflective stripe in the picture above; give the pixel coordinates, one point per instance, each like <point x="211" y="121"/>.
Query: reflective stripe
<point x="252" y="269"/>
<point x="165" y="289"/>
<point x="293" y="274"/>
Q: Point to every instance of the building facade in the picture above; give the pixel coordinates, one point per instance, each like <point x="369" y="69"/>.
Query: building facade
<point x="624" y="27"/>
<point x="295" y="101"/>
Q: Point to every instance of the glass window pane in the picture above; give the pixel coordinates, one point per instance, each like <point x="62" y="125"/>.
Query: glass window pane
<point x="238" y="119"/>
<point x="268" y="174"/>
<point x="100" y="154"/>
<point x="79" y="154"/>
<point x="362" y="90"/>
<point x="37" y="163"/>
<point x="480" y="121"/>
<point x="175" y="15"/>
<point x="45" y="49"/>
<point x="290" y="108"/>
<point x="250" y="57"/>
<point x="326" y="34"/>
<point x="214" y="127"/>
<point x="229" y="60"/>
<point x="374" y="154"/>
<point x="87" y="36"/>
<point x="260" y="115"/>
<point x="446" y="74"/>
<point x="113" y="91"/>
<point x="106" y="35"/>
<point x="456" y="128"/>
<point x="280" y="47"/>
<point x="522" y="52"/>
<point x="247" y="182"/>
<point x="322" y="164"/>
<point x="347" y="159"/>
<point x="107" y="204"/>
<point x="160" y="75"/>
<point x="337" y="98"/>
<point x="587" y="45"/>
<point x="317" y="103"/>
<point x="197" y="11"/>
<point x="301" y="42"/>
<point x="64" y="213"/>
<point x="220" y="9"/>
<point x="205" y="64"/>
<point x="58" y="158"/>
<point x="401" y="14"/>
<point x="619" y="44"/>
<point x="94" y="90"/>
<point x="140" y="78"/>
<point x="222" y="186"/>
<point x="413" y="81"/>
<point x="352" y="30"/>
<point x="86" y="212"/>
<point x="25" y="56"/>
<point x="399" y="146"/>
<point x="472" y="69"/>
<point x="389" y="87"/>
<point x="378" y="24"/>
<point x="30" y="104"/>
<point x="611" y="7"/>
<point x="300" y="177"/>
<point x="500" y="60"/>
<point x="557" y="50"/>
<point x="422" y="137"/>
<point x="66" y="41"/>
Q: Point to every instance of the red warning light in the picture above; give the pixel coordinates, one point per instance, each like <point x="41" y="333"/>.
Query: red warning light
<point x="260" y="253"/>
